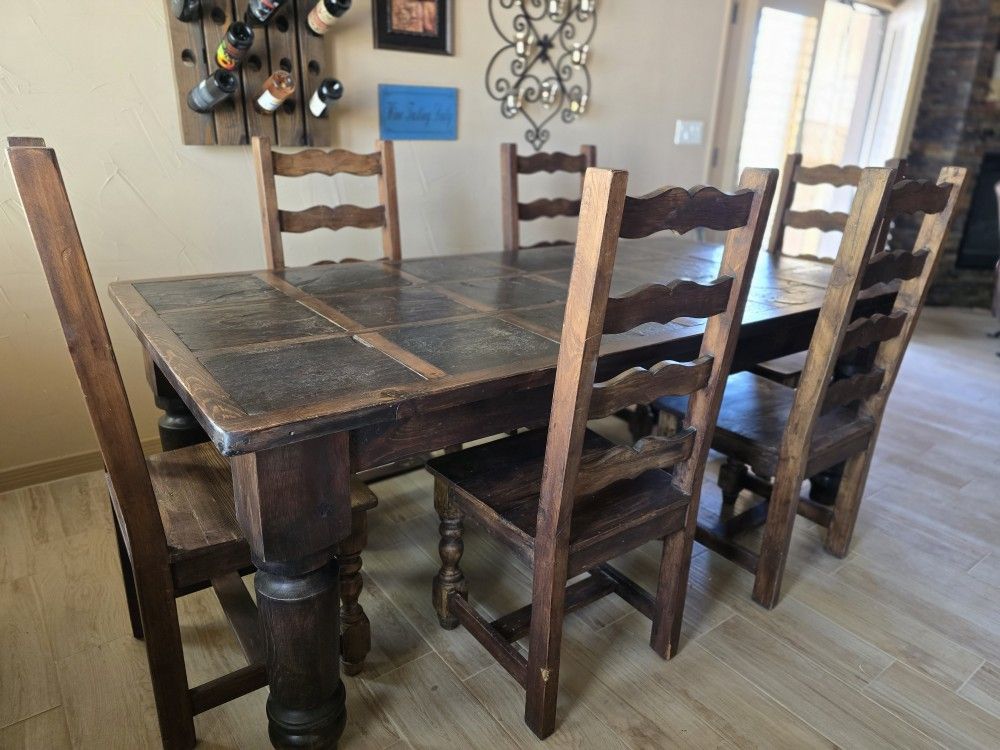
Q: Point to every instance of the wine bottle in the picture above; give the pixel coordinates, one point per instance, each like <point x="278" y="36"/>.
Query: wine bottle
<point x="325" y="14"/>
<point x="234" y="46"/>
<point x="276" y="89"/>
<point x="186" y="10"/>
<point x="211" y="92"/>
<point x="259" y="12"/>
<point x="328" y="92"/>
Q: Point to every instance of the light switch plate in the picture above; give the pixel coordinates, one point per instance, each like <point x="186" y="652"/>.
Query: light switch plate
<point x="689" y="133"/>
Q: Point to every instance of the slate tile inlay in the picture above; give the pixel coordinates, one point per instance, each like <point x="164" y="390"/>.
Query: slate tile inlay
<point x="384" y="307"/>
<point x="331" y="278"/>
<point x="253" y="323"/>
<point x="212" y="290"/>
<point x="453" y="268"/>
<point x="471" y="345"/>
<point x="305" y="373"/>
<point x="533" y="260"/>
<point x="551" y="318"/>
<point x="507" y="293"/>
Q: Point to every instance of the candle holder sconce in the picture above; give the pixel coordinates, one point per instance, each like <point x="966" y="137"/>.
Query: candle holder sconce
<point x="541" y="71"/>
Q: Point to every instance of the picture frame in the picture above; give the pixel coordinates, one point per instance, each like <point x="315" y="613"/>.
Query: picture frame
<point x="414" y="25"/>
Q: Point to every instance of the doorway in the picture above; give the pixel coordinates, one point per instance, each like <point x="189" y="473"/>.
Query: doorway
<point x="833" y="80"/>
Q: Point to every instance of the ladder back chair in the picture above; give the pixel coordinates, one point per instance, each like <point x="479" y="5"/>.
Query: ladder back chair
<point x="385" y="216"/>
<point x="567" y="500"/>
<point x="786" y="370"/>
<point x="174" y="512"/>
<point x="778" y="435"/>
<point x="514" y="212"/>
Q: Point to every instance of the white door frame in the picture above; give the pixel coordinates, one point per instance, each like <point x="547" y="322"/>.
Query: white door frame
<point x="734" y="89"/>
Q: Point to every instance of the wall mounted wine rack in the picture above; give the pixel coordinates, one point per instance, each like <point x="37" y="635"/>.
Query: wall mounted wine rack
<point x="284" y="44"/>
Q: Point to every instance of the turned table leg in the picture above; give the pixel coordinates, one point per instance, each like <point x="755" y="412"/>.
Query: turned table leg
<point x="178" y="428"/>
<point x="293" y="504"/>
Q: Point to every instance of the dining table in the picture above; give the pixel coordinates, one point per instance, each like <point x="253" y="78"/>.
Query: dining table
<point x="304" y="376"/>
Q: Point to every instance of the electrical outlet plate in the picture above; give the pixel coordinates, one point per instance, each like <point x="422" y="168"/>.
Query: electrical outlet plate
<point x="689" y="133"/>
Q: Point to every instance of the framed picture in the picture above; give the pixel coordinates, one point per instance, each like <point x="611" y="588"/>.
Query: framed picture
<point x="413" y="25"/>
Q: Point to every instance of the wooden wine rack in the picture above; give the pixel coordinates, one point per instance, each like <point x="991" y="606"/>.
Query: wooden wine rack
<point x="284" y="44"/>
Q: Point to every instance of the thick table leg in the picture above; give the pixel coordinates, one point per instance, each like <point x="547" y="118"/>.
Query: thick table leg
<point x="293" y="503"/>
<point x="178" y="427"/>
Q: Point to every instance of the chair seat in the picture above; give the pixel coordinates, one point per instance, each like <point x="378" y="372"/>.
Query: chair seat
<point x="498" y="484"/>
<point x="194" y="494"/>
<point x="784" y="370"/>
<point x="752" y="422"/>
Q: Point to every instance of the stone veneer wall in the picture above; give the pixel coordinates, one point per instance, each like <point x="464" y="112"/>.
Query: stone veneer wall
<point x="956" y="125"/>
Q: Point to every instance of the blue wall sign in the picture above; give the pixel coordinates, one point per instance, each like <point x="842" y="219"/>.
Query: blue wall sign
<point x="417" y="113"/>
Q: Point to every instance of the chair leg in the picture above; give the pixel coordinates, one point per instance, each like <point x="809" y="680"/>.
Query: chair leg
<point x="848" y="503"/>
<point x="671" y="592"/>
<point x="548" y="607"/>
<point x="731" y="480"/>
<point x="128" y="580"/>
<point x="355" y="629"/>
<point x="777" y="539"/>
<point x="165" y="655"/>
<point x="666" y="424"/>
<point x="450" y="578"/>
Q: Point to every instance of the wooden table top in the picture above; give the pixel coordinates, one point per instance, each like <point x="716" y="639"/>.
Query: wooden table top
<point x="267" y="358"/>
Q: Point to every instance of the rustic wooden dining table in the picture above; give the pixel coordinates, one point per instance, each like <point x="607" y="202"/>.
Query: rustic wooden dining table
<point x="306" y="375"/>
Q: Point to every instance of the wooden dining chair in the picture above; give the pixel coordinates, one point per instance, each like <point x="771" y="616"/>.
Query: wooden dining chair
<point x="567" y="500"/>
<point x="385" y="216"/>
<point x="778" y="435"/>
<point x="512" y="165"/>
<point x="174" y="512"/>
<point x="786" y="370"/>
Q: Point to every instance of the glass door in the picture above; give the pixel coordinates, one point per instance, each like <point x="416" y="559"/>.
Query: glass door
<point x="766" y="81"/>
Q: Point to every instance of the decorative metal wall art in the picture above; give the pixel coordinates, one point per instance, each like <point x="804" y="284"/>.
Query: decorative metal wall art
<point x="541" y="71"/>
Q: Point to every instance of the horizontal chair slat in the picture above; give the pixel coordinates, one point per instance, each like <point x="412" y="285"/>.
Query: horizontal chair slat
<point x="642" y="386"/>
<point x="514" y="626"/>
<point x="868" y="331"/>
<point x="825" y="221"/>
<point x="548" y="208"/>
<point x="554" y="162"/>
<point x="829" y="174"/>
<point x="325" y="217"/>
<point x="629" y="461"/>
<point x="912" y="196"/>
<point x="493" y="641"/>
<point x="679" y="210"/>
<point x="659" y="303"/>
<point x="330" y="163"/>
<point x="855" y="388"/>
<point x="891" y="265"/>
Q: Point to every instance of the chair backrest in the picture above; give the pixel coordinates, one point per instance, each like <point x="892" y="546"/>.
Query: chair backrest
<point x="606" y="215"/>
<point x="270" y="164"/>
<point x="512" y="165"/>
<point x="793" y="175"/>
<point x="53" y="227"/>
<point x="860" y="272"/>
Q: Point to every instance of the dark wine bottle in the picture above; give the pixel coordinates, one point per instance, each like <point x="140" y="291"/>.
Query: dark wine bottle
<point x="186" y="10"/>
<point x="259" y="12"/>
<point x="211" y="92"/>
<point x="328" y="92"/>
<point x="234" y="46"/>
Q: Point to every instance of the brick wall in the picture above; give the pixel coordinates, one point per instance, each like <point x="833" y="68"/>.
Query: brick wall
<point x="956" y="125"/>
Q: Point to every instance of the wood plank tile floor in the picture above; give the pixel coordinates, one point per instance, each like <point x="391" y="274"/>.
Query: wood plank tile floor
<point x="898" y="646"/>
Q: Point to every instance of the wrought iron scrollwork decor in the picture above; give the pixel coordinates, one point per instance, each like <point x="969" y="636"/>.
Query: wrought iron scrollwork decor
<point x="541" y="71"/>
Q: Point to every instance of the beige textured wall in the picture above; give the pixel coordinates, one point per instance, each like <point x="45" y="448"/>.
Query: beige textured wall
<point x="94" y="80"/>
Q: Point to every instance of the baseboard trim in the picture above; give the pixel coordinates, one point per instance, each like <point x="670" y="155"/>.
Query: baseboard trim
<point x="59" y="468"/>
